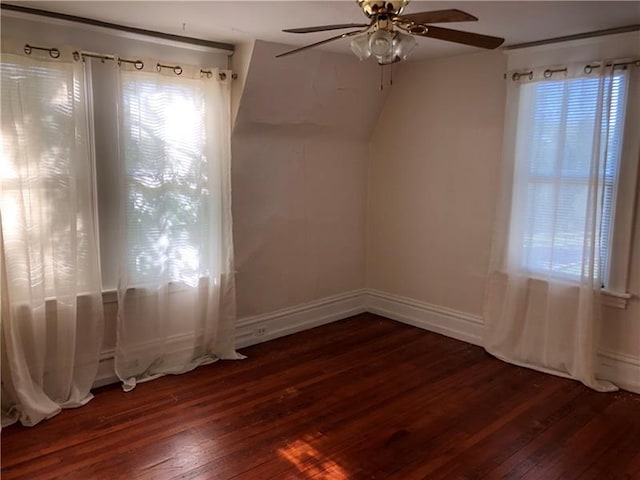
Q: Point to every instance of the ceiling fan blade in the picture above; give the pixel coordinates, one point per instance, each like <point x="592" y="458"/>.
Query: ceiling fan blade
<point x="457" y="36"/>
<point x="311" y="45"/>
<point x="323" y="28"/>
<point x="437" y="16"/>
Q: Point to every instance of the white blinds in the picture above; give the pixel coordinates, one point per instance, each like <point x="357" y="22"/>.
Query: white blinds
<point x="554" y="172"/>
<point x="163" y="142"/>
<point x="42" y="206"/>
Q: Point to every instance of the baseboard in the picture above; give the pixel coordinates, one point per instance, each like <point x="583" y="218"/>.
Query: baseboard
<point x="452" y="323"/>
<point x="621" y="369"/>
<point x="272" y="325"/>
<point x="265" y="327"/>
<point x="269" y="326"/>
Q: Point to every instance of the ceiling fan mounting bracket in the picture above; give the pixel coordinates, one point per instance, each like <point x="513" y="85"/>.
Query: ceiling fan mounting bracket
<point x="382" y="22"/>
<point x="375" y="8"/>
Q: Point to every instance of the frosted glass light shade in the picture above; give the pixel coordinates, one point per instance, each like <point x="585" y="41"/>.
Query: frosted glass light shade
<point x="403" y="45"/>
<point x="387" y="47"/>
<point x="360" y="46"/>
<point x="381" y="43"/>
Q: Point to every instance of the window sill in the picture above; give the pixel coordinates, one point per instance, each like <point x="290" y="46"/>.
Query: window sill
<point x="615" y="299"/>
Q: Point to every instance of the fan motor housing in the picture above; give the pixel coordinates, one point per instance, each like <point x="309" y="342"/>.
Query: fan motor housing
<point x="372" y="8"/>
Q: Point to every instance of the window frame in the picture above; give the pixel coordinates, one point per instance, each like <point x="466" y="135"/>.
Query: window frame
<point x="626" y="194"/>
<point x="614" y="49"/>
<point x="527" y="123"/>
<point x="135" y="175"/>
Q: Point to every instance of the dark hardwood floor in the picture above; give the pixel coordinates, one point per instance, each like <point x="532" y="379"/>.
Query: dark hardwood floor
<point x="364" y="398"/>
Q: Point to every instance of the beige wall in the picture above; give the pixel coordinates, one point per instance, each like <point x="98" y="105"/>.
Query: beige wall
<point x="299" y="177"/>
<point x="433" y="185"/>
<point x="433" y="178"/>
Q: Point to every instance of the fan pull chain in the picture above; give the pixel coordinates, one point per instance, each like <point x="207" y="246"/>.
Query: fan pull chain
<point x="382" y="68"/>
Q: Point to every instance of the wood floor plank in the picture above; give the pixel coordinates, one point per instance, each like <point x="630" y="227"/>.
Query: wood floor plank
<point x="362" y="398"/>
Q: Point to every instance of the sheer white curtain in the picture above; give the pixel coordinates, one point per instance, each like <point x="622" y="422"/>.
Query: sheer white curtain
<point x="176" y="288"/>
<point x="52" y="318"/>
<point x="562" y="148"/>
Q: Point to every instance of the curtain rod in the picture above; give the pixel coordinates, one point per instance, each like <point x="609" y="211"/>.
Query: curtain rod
<point x="114" y="26"/>
<point x="138" y="64"/>
<point x="578" y="36"/>
<point x="588" y="68"/>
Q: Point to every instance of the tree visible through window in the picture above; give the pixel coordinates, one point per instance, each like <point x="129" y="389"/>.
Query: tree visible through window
<point x="165" y="170"/>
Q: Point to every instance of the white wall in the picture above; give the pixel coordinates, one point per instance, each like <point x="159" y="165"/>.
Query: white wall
<point x="433" y="178"/>
<point x="299" y="177"/>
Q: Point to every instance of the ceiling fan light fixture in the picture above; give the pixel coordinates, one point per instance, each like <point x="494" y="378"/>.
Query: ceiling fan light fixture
<point x="403" y="45"/>
<point x="360" y="46"/>
<point x="381" y="43"/>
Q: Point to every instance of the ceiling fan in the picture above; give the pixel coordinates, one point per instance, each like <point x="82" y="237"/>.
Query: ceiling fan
<point x="389" y="36"/>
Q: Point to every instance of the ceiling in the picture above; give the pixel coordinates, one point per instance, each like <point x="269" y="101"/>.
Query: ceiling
<point x="238" y="21"/>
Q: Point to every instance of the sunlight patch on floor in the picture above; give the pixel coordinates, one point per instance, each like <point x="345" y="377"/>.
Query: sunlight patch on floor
<point x="311" y="463"/>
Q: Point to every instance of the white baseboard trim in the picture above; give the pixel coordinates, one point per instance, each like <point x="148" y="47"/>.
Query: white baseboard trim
<point x="272" y="325"/>
<point x="265" y="327"/>
<point x="452" y="323"/>
<point x="619" y="368"/>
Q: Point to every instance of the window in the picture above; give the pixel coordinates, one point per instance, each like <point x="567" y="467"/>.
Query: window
<point x="45" y="177"/>
<point x="164" y="145"/>
<point x="554" y="171"/>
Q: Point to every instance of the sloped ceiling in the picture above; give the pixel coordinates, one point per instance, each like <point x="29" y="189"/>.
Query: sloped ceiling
<point x="315" y="94"/>
<point x="241" y="21"/>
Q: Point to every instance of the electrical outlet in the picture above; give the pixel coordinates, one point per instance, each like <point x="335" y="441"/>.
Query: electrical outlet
<point x="260" y="332"/>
